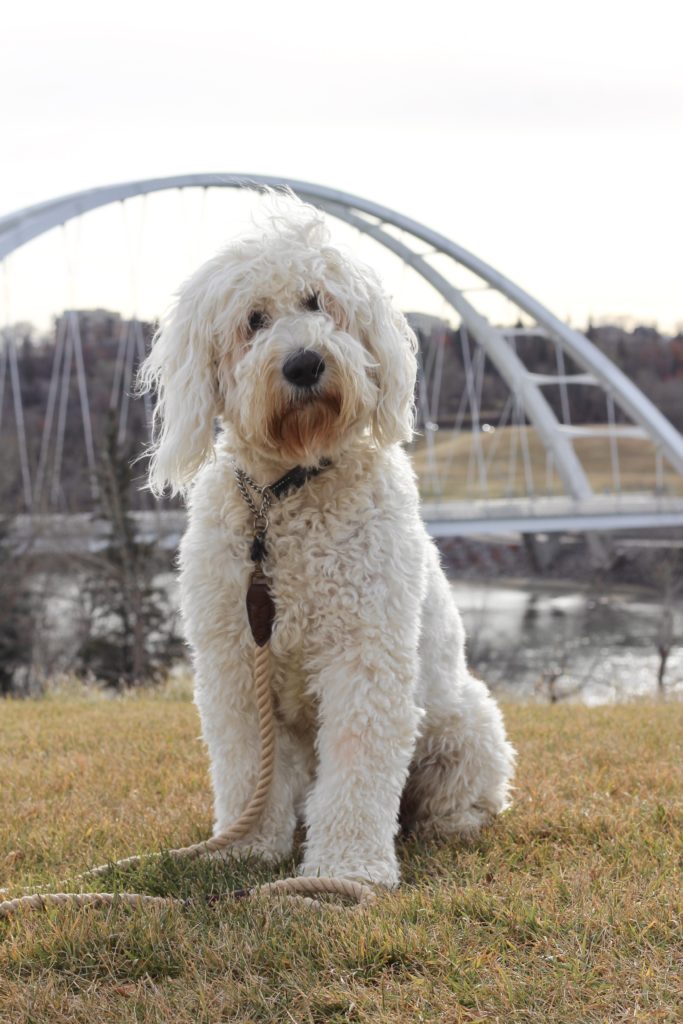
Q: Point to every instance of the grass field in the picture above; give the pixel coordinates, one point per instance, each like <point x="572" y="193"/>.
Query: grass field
<point x="568" y="910"/>
<point x="458" y="470"/>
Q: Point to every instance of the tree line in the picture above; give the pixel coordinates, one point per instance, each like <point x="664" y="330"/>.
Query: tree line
<point x="653" y="361"/>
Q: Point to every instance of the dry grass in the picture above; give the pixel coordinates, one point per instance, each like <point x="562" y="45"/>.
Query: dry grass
<point x="566" y="911"/>
<point x="458" y="463"/>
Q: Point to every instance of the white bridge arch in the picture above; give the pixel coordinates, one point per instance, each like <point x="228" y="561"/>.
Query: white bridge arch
<point x="582" y="508"/>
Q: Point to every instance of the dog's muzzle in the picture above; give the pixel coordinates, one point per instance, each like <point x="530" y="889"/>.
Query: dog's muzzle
<point x="304" y="368"/>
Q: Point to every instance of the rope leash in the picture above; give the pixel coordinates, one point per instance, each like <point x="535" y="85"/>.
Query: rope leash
<point x="303" y="889"/>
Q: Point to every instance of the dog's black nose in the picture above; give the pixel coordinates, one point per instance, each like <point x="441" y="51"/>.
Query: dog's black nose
<point x="304" y="368"/>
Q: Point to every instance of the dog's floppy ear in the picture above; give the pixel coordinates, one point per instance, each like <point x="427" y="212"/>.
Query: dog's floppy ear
<point x="180" y="369"/>
<point x="392" y="343"/>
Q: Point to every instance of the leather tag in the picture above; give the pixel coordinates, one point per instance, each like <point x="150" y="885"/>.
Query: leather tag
<point x="260" y="608"/>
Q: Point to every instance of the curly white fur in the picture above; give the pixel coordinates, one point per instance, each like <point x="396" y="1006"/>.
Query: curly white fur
<point x="377" y="712"/>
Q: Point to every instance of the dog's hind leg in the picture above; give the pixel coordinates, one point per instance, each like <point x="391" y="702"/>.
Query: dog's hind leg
<point x="459" y="776"/>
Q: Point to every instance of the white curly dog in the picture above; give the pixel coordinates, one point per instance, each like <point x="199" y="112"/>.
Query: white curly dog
<point x="297" y="352"/>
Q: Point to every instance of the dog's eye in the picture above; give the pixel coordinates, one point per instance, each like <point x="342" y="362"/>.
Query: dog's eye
<point x="257" y="321"/>
<point x="312" y="303"/>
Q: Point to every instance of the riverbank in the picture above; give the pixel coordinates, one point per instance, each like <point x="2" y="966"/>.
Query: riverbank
<point x="632" y="557"/>
<point x="544" y="623"/>
<point x="594" y="642"/>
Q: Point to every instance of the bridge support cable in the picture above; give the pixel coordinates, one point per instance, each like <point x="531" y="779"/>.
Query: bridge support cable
<point x="659" y="472"/>
<point x="476" y="452"/>
<point x="4" y="356"/>
<point x="423" y="407"/>
<point x="549" y="474"/>
<point x="141" y="353"/>
<point x="10" y="362"/>
<point x="512" y="455"/>
<point x="613" y="443"/>
<point x="478" y="362"/>
<point x="85" y="404"/>
<point x="53" y="391"/>
<point x="21" y="426"/>
<point x="562" y="377"/>
<point x="135" y="248"/>
<point x="126" y="383"/>
<point x="61" y="420"/>
<point x="437" y="373"/>
<point x="71" y="253"/>
<point x="121" y="351"/>
<point x="498" y="433"/>
<point x="524" y="448"/>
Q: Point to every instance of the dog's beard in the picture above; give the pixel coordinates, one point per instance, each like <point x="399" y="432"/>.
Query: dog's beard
<point x="307" y="428"/>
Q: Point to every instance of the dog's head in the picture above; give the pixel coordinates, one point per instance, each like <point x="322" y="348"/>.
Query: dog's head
<point x="292" y="345"/>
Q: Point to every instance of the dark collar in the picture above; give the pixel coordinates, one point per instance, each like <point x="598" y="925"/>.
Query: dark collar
<point x="291" y="481"/>
<point x="296" y="478"/>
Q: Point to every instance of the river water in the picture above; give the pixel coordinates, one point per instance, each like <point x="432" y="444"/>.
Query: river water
<point x="559" y="640"/>
<point x="530" y="639"/>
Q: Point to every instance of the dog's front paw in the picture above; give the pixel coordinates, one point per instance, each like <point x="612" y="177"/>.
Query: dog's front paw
<point x="374" y="872"/>
<point x="267" y="849"/>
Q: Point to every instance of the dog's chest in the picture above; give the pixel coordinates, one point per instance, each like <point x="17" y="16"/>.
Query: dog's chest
<point x="305" y="577"/>
<point x="304" y="572"/>
<point x="317" y="560"/>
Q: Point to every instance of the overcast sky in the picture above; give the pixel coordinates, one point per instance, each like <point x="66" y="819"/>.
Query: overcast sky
<point x="547" y="138"/>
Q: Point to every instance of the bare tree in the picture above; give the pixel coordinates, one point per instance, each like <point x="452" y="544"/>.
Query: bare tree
<point x="131" y="639"/>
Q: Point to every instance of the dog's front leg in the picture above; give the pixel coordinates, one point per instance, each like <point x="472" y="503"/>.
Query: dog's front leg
<point x="366" y="735"/>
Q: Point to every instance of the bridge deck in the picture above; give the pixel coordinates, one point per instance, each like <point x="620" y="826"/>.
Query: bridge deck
<point x="71" y="534"/>
<point x="552" y="515"/>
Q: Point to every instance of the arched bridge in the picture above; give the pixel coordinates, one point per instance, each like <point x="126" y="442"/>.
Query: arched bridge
<point x="498" y="448"/>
